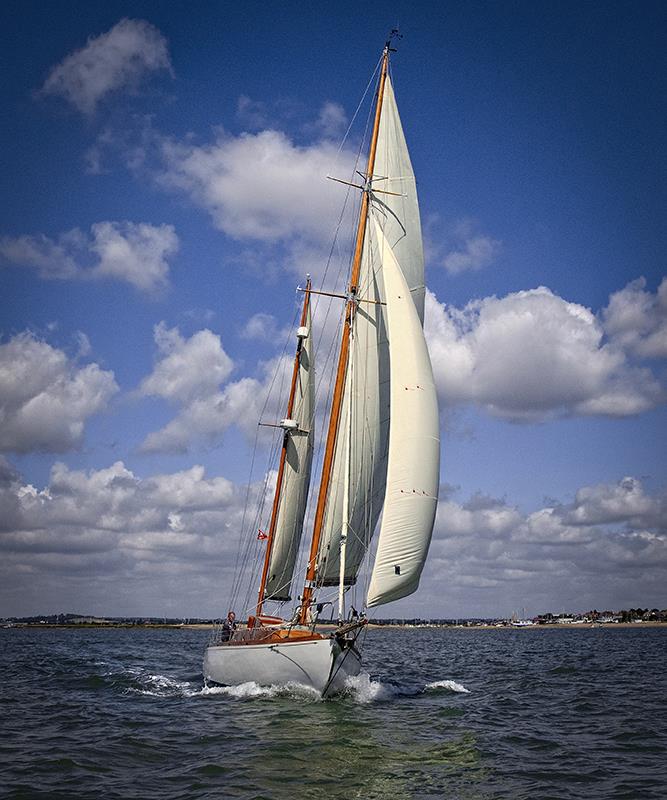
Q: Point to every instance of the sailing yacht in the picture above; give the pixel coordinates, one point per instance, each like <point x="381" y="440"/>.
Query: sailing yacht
<point x="382" y="451"/>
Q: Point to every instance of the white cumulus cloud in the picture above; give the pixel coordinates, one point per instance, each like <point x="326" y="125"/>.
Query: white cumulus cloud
<point x="264" y="327"/>
<point x="119" y="58"/>
<point x="251" y="113"/>
<point x="137" y="253"/>
<point x="637" y="319"/>
<point x="608" y="547"/>
<point x="332" y="120"/>
<point x="477" y="252"/>
<point x="45" y="398"/>
<point x="625" y="501"/>
<point x="191" y="374"/>
<point x="532" y="355"/>
<point x="207" y="417"/>
<point x="464" y="247"/>
<point x="260" y="186"/>
<point x="108" y="539"/>
<point x="189" y="368"/>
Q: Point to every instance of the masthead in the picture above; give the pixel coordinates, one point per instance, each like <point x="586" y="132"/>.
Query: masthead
<point x="393" y="34"/>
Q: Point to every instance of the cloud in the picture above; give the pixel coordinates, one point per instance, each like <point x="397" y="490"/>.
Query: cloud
<point x="608" y="547"/>
<point x="332" y="120"/>
<point x="117" y="59"/>
<point x="624" y="501"/>
<point x="254" y="115"/>
<point x="637" y="319"/>
<point x="477" y="252"/>
<point x="108" y="539"/>
<point x="531" y="356"/>
<point x="189" y="375"/>
<point x="264" y="327"/>
<point x="193" y="375"/>
<point x="251" y="113"/>
<point x="264" y="189"/>
<point x="259" y="186"/>
<point x="206" y="418"/>
<point x="189" y="368"/>
<point x="84" y="348"/>
<point x="491" y="518"/>
<point x="465" y="249"/>
<point x="45" y="399"/>
<point x="51" y="259"/>
<point x="136" y="253"/>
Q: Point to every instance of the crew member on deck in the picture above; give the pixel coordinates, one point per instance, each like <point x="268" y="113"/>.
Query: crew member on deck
<point x="228" y="627"/>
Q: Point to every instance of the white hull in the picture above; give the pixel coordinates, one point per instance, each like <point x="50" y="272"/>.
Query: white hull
<point x="319" y="663"/>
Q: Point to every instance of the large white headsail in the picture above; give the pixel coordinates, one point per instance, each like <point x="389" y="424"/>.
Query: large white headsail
<point x="296" y="477"/>
<point x="367" y="388"/>
<point x="413" y="469"/>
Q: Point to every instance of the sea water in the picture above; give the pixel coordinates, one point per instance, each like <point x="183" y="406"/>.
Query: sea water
<point x="436" y="713"/>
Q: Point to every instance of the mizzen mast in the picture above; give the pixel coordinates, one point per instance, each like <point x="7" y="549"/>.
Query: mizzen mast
<point x="351" y="305"/>
<point x="283" y="456"/>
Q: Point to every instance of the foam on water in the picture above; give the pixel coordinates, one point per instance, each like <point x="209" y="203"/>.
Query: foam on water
<point x="250" y="690"/>
<point x="364" y="690"/>
<point x="158" y="685"/>
<point x="360" y="688"/>
<point x="452" y="686"/>
<point x="163" y="686"/>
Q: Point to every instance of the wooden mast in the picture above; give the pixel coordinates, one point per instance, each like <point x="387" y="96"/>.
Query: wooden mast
<point x="337" y="400"/>
<point x="283" y="455"/>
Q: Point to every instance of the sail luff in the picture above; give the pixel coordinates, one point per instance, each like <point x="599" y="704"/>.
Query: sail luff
<point x="413" y="469"/>
<point x="305" y="316"/>
<point x="341" y="370"/>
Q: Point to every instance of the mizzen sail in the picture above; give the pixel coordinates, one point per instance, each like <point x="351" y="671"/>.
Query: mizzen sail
<point x="296" y="473"/>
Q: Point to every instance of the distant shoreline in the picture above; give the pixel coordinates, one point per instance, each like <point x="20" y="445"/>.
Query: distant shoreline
<point x="325" y="626"/>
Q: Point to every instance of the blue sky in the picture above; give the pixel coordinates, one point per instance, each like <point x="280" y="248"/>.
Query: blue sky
<point x="163" y="184"/>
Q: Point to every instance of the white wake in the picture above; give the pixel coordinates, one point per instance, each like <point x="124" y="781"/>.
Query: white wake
<point x="363" y="689"/>
<point x="453" y="686"/>
<point x="360" y="688"/>
<point x="251" y="690"/>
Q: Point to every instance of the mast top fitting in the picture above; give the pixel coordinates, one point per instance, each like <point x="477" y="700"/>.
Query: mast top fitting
<point x="393" y="34"/>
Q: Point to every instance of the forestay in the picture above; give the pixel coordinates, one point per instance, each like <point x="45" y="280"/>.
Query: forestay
<point x="296" y="477"/>
<point x="413" y="466"/>
<point x="366" y="396"/>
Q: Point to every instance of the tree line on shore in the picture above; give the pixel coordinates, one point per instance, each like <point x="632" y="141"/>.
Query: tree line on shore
<point x="548" y="618"/>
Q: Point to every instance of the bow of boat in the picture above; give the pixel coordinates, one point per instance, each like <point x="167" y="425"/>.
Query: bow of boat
<point x="278" y="656"/>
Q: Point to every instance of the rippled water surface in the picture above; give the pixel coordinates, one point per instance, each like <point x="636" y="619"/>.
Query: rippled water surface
<point x="456" y="713"/>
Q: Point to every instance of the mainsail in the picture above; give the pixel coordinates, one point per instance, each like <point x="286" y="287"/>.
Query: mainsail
<point x="414" y="445"/>
<point x="365" y="405"/>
